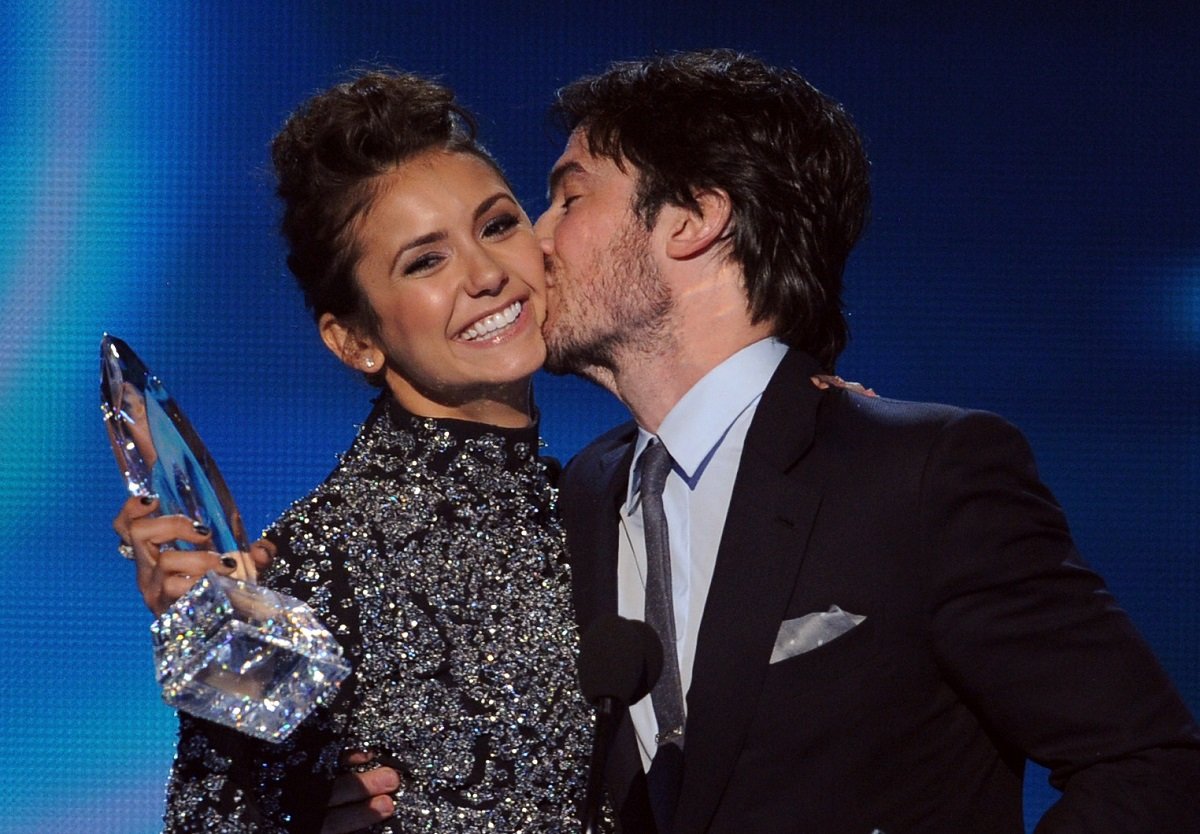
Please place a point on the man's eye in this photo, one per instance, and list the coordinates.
(566, 202)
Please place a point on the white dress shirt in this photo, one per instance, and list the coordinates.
(704, 433)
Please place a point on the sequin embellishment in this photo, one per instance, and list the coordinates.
(434, 554)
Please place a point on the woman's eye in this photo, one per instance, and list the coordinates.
(566, 203)
(422, 264)
(499, 225)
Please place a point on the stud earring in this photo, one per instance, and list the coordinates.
(370, 363)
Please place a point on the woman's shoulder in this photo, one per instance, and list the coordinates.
(340, 494)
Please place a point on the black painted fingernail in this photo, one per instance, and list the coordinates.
(200, 528)
(147, 500)
(229, 561)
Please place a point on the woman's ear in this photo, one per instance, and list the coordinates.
(692, 231)
(349, 345)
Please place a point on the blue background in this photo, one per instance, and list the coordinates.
(1035, 250)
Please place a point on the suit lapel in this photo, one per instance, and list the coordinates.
(759, 557)
(592, 537)
(592, 532)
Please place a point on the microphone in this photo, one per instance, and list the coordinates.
(619, 663)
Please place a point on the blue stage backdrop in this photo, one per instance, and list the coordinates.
(1035, 251)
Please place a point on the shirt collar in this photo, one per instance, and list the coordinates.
(695, 426)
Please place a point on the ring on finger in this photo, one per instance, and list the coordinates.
(126, 550)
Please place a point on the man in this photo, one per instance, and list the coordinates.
(878, 612)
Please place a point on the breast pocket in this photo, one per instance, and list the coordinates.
(834, 658)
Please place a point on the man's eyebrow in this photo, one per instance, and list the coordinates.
(556, 176)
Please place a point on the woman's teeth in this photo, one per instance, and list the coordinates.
(488, 325)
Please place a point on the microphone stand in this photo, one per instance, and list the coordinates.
(619, 661)
(607, 711)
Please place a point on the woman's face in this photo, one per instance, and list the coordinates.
(451, 267)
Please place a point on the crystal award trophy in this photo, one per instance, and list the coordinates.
(228, 650)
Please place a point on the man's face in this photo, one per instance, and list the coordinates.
(605, 292)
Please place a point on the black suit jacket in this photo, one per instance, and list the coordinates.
(986, 640)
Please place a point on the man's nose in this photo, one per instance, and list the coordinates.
(543, 230)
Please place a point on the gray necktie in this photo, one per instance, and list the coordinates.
(667, 695)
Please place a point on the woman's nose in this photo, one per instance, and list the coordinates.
(486, 276)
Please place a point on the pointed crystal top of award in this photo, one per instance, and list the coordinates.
(158, 451)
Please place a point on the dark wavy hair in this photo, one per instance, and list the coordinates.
(328, 157)
(788, 156)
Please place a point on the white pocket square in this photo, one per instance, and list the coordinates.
(811, 631)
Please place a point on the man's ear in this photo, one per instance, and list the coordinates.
(693, 231)
(349, 345)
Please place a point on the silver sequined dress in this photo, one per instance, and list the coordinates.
(434, 554)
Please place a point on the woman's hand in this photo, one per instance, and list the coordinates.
(163, 576)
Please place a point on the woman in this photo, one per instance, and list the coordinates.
(432, 551)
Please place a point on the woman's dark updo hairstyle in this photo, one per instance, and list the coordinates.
(327, 159)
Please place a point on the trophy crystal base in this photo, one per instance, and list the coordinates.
(246, 657)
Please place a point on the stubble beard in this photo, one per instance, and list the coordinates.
(617, 306)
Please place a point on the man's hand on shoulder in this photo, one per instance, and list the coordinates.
(362, 798)
(826, 381)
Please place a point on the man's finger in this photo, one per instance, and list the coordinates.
(352, 787)
(355, 758)
(350, 818)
